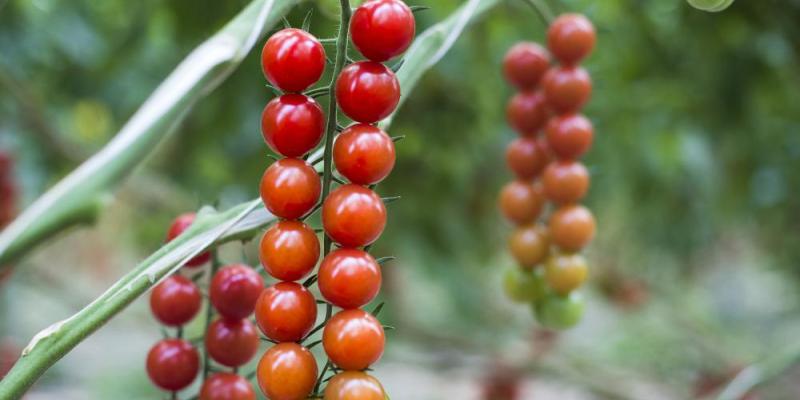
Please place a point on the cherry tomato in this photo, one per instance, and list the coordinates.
(559, 312)
(529, 245)
(175, 301)
(524, 286)
(527, 112)
(293, 60)
(367, 91)
(234, 290)
(565, 272)
(289, 250)
(172, 364)
(353, 339)
(227, 386)
(353, 215)
(567, 89)
(571, 38)
(525, 64)
(382, 29)
(349, 278)
(232, 342)
(572, 227)
(364, 154)
(565, 182)
(527, 157)
(286, 311)
(521, 202)
(180, 224)
(287, 371)
(570, 136)
(290, 188)
(292, 124)
(354, 385)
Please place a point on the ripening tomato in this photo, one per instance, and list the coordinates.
(353, 215)
(572, 227)
(565, 272)
(567, 89)
(289, 250)
(292, 124)
(525, 64)
(527, 112)
(286, 311)
(367, 91)
(521, 202)
(349, 278)
(287, 371)
(353, 339)
(354, 385)
(570, 136)
(524, 286)
(364, 154)
(382, 29)
(565, 182)
(293, 59)
(175, 301)
(529, 245)
(232, 342)
(527, 157)
(571, 38)
(226, 386)
(290, 188)
(559, 312)
(234, 290)
(172, 364)
(180, 224)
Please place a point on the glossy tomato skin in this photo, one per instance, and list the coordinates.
(286, 311)
(565, 272)
(567, 89)
(172, 364)
(290, 188)
(234, 290)
(180, 224)
(353, 339)
(524, 65)
(292, 124)
(232, 342)
(353, 215)
(527, 112)
(287, 371)
(226, 386)
(565, 182)
(364, 154)
(571, 37)
(289, 250)
(527, 157)
(293, 60)
(354, 385)
(382, 29)
(572, 227)
(349, 278)
(175, 301)
(529, 245)
(367, 91)
(521, 202)
(570, 136)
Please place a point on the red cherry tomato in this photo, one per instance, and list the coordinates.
(289, 250)
(367, 91)
(353, 339)
(179, 225)
(175, 301)
(525, 64)
(287, 371)
(567, 89)
(232, 342)
(521, 202)
(382, 29)
(527, 157)
(349, 278)
(172, 364)
(292, 124)
(527, 112)
(354, 385)
(293, 60)
(227, 386)
(290, 188)
(572, 227)
(570, 136)
(234, 291)
(353, 215)
(565, 182)
(571, 38)
(286, 311)
(364, 154)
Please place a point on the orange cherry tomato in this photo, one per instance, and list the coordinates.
(565, 182)
(286, 311)
(521, 202)
(289, 250)
(527, 157)
(353, 215)
(354, 385)
(287, 371)
(529, 245)
(565, 272)
(567, 89)
(571, 38)
(290, 188)
(364, 154)
(572, 227)
(353, 339)
(349, 278)
(570, 136)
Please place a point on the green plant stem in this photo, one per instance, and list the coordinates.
(542, 9)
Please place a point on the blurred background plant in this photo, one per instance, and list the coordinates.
(694, 276)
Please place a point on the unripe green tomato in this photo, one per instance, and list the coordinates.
(524, 286)
(710, 5)
(559, 312)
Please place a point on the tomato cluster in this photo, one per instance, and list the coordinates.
(548, 174)
(8, 189)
